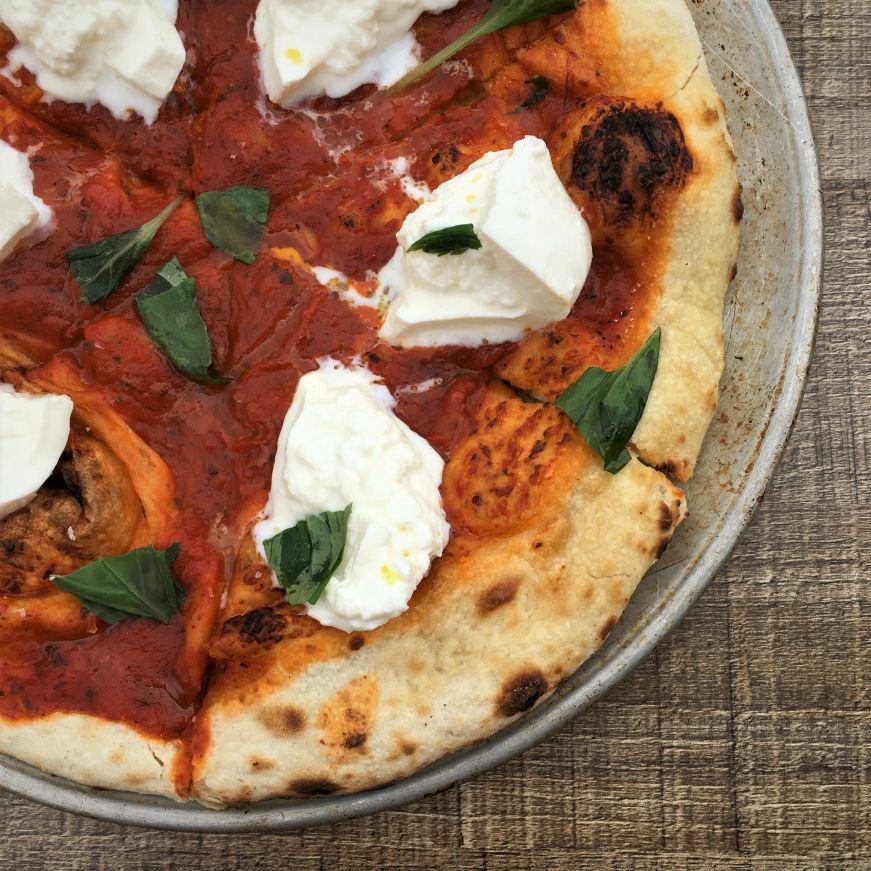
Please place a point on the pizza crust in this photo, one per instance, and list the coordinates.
(490, 632)
(93, 751)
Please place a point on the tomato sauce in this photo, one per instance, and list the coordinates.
(269, 323)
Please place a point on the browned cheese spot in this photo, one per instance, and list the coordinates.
(498, 595)
(521, 692)
(506, 471)
(356, 641)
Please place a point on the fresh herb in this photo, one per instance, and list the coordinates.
(450, 240)
(501, 14)
(306, 556)
(101, 266)
(135, 584)
(168, 308)
(233, 219)
(606, 406)
(540, 87)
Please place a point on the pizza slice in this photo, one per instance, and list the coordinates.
(545, 550)
(78, 695)
(546, 545)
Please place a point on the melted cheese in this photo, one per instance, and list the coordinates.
(308, 47)
(341, 443)
(534, 258)
(125, 54)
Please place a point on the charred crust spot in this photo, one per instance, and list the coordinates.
(626, 156)
(660, 549)
(284, 721)
(710, 116)
(666, 521)
(498, 595)
(312, 787)
(606, 627)
(521, 692)
(408, 748)
(256, 763)
(355, 642)
(358, 739)
(260, 626)
(737, 205)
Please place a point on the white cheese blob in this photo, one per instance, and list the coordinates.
(308, 47)
(534, 258)
(22, 212)
(33, 434)
(125, 54)
(342, 444)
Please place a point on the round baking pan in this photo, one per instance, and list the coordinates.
(770, 317)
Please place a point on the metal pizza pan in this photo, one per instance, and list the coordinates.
(770, 323)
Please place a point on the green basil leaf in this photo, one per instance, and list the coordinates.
(306, 556)
(135, 584)
(540, 87)
(501, 14)
(101, 266)
(606, 406)
(450, 240)
(233, 220)
(168, 309)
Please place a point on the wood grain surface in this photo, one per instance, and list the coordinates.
(744, 742)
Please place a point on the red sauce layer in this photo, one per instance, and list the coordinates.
(269, 322)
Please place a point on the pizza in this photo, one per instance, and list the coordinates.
(353, 357)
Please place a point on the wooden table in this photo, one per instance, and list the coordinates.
(745, 741)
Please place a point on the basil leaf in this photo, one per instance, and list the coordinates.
(450, 240)
(135, 584)
(168, 309)
(306, 556)
(540, 87)
(606, 406)
(233, 220)
(501, 14)
(101, 266)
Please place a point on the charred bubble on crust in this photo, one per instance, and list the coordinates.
(626, 156)
(498, 595)
(521, 692)
(284, 720)
(268, 625)
(312, 787)
(260, 626)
